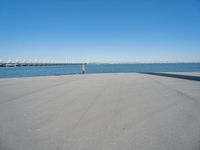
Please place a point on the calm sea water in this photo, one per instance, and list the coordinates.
(31, 71)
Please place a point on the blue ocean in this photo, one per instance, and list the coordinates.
(32, 71)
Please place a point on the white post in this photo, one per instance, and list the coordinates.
(83, 68)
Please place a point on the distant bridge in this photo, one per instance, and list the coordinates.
(19, 64)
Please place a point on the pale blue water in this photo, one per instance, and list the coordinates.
(31, 71)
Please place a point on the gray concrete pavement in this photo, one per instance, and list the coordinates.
(100, 112)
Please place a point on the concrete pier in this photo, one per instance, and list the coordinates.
(129, 111)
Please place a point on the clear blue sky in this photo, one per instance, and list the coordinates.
(103, 30)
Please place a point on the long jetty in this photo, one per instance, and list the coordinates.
(19, 64)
